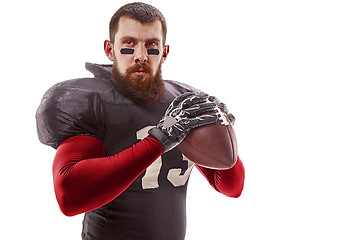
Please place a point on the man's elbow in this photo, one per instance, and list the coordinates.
(66, 205)
(237, 193)
(67, 198)
(234, 192)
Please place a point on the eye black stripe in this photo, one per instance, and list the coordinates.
(153, 51)
(131, 51)
(127, 51)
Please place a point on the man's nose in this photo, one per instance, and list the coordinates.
(141, 55)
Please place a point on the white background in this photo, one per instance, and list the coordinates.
(288, 70)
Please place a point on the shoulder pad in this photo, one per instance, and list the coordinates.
(179, 88)
(71, 108)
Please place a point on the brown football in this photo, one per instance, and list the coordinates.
(212, 146)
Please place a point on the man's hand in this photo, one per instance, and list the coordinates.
(183, 114)
(223, 108)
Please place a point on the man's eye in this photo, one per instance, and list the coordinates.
(151, 43)
(128, 42)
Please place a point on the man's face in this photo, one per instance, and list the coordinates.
(138, 70)
(140, 37)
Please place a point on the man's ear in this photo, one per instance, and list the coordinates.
(165, 53)
(108, 49)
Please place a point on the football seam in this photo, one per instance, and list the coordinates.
(232, 145)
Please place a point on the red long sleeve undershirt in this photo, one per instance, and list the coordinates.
(84, 179)
(229, 182)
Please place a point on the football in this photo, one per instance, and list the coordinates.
(212, 146)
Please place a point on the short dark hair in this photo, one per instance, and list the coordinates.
(139, 11)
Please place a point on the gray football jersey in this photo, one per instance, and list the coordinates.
(153, 207)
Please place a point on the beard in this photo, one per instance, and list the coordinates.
(143, 90)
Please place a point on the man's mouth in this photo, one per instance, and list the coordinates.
(140, 72)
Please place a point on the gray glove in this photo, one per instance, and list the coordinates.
(224, 108)
(183, 114)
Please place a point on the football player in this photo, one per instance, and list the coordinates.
(116, 158)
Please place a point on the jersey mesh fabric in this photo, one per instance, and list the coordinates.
(151, 204)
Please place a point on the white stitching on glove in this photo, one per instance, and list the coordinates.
(223, 108)
(183, 114)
